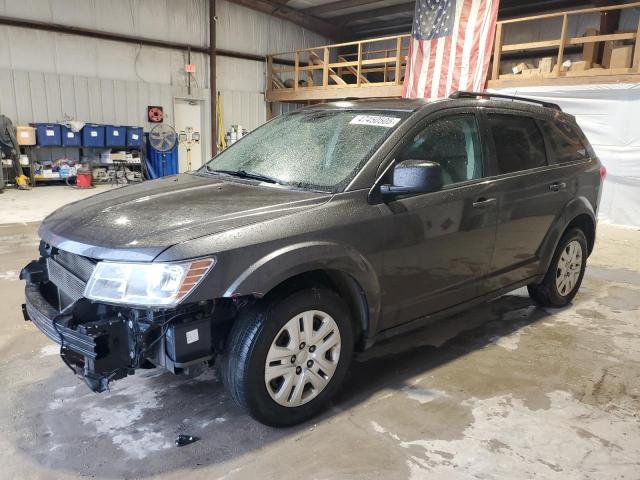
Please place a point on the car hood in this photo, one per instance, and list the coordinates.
(139, 222)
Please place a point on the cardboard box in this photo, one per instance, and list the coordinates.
(590, 50)
(546, 64)
(621, 57)
(521, 67)
(606, 52)
(566, 65)
(579, 66)
(26, 135)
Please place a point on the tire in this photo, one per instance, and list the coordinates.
(553, 292)
(268, 330)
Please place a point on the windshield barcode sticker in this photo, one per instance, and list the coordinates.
(375, 120)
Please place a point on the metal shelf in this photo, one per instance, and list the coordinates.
(106, 165)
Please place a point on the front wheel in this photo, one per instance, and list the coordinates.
(564, 277)
(287, 357)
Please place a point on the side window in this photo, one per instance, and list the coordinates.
(519, 143)
(565, 142)
(454, 143)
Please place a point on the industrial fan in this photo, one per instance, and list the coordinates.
(163, 138)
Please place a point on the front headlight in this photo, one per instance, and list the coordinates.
(146, 284)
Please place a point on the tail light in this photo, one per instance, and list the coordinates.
(603, 172)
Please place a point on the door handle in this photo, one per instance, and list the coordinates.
(483, 202)
(557, 186)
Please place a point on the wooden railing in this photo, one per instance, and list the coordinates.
(562, 42)
(376, 65)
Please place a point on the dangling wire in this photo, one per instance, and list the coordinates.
(55, 327)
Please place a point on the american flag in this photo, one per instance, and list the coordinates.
(450, 47)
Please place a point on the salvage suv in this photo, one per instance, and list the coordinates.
(317, 235)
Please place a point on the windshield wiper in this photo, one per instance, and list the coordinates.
(250, 175)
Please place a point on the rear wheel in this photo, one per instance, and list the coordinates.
(287, 357)
(564, 277)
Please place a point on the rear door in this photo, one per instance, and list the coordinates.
(571, 156)
(440, 242)
(532, 194)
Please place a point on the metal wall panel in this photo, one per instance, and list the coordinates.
(7, 95)
(38, 95)
(47, 77)
(67, 96)
(53, 95)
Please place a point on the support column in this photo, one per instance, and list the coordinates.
(212, 76)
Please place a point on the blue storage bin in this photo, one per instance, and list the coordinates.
(47, 134)
(93, 135)
(115, 136)
(135, 135)
(70, 138)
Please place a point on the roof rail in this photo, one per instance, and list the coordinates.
(462, 94)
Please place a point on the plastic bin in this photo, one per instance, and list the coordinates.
(93, 135)
(47, 134)
(135, 136)
(70, 138)
(115, 136)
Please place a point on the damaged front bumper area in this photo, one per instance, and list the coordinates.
(102, 343)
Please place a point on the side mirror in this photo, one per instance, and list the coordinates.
(414, 176)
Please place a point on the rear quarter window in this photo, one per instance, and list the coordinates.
(519, 143)
(566, 143)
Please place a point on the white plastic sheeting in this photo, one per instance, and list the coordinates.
(608, 115)
(46, 76)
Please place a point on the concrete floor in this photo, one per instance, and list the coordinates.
(22, 206)
(507, 390)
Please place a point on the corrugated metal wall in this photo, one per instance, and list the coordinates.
(46, 77)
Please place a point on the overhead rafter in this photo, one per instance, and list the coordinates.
(333, 6)
(276, 8)
(516, 8)
(378, 12)
(396, 23)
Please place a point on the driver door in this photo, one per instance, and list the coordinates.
(441, 242)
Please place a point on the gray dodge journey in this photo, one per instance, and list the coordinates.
(315, 236)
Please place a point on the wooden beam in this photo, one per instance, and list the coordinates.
(335, 92)
(581, 11)
(315, 59)
(563, 42)
(514, 47)
(359, 77)
(298, 17)
(497, 53)
(601, 38)
(636, 51)
(377, 13)
(398, 60)
(325, 67)
(333, 6)
(349, 66)
(564, 80)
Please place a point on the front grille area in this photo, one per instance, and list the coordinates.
(67, 283)
(81, 267)
(69, 273)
